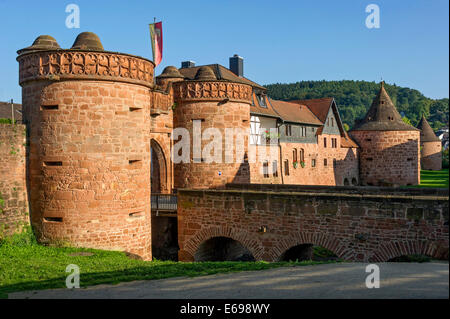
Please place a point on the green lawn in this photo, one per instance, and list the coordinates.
(434, 178)
(26, 265)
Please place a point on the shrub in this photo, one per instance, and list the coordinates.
(5, 121)
(23, 238)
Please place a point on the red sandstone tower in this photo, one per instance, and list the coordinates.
(389, 148)
(88, 118)
(430, 147)
(212, 104)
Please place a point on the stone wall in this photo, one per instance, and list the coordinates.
(212, 115)
(388, 157)
(431, 155)
(356, 223)
(90, 163)
(13, 194)
(341, 164)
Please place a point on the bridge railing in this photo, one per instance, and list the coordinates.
(164, 202)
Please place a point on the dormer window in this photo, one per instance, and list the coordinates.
(261, 100)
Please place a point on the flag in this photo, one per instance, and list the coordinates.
(157, 41)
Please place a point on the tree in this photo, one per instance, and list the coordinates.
(355, 97)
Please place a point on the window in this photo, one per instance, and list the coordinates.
(332, 121)
(266, 169)
(286, 167)
(334, 142)
(288, 130)
(313, 162)
(328, 122)
(302, 155)
(325, 162)
(302, 131)
(294, 155)
(255, 126)
(275, 169)
(324, 142)
(262, 100)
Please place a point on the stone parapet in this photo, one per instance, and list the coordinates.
(212, 91)
(85, 65)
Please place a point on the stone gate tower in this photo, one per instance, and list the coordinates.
(389, 148)
(211, 104)
(430, 147)
(88, 119)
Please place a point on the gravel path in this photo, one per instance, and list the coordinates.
(345, 280)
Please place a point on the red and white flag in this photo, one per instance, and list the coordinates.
(157, 41)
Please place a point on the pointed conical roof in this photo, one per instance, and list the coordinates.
(426, 132)
(383, 116)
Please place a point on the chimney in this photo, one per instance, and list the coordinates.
(237, 65)
(187, 64)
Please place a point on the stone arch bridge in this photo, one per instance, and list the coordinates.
(367, 224)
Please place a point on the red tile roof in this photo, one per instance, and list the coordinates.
(292, 112)
(263, 110)
(347, 142)
(222, 73)
(319, 107)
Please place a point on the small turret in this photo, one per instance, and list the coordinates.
(389, 148)
(430, 147)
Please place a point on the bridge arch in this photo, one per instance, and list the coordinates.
(305, 238)
(434, 249)
(241, 236)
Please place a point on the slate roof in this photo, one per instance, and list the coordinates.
(426, 132)
(383, 116)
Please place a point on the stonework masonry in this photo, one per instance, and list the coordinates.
(100, 141)
(388, 157)
(14, 211)
(431, 155)
(88, 115)
(355, 223)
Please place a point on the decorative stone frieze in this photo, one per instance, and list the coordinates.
(85, 65)
(212, 91)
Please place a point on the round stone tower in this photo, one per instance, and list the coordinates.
(87, 115)
(389, 148)
(210, 108)
(170, 74)
(430, 147)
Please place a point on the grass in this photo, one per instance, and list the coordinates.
(433, 178)
(26, 265)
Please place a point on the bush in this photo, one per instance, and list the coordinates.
(6, 121)
(24, 238)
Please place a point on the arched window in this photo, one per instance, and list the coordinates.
(294, 155)
(302, 155)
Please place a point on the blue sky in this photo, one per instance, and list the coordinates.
(281, 41)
